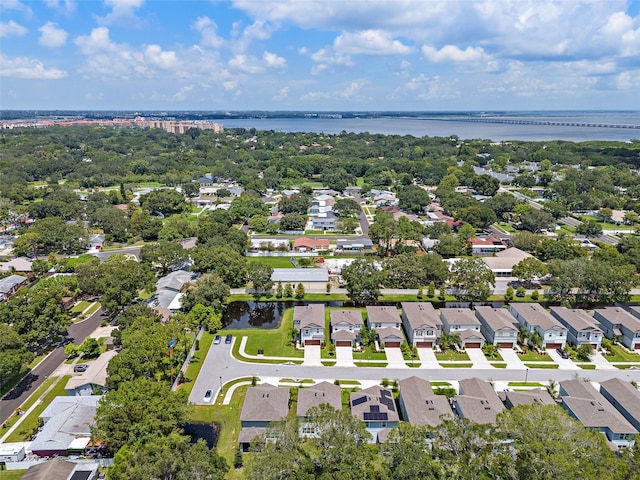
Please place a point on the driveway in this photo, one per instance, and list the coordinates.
(478, 358)
(394, 357)
(344, 357)
(510, 356)
(601, 362)
(428, 358)
(564, 364)
(312, 356)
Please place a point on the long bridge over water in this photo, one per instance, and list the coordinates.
(516, 121)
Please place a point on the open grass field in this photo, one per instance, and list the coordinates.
(30, 423)
(274, 262)
(621, 354)
(80, 307)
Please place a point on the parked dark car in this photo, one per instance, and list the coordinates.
(80, 367)
(228, 338)
(563, 353)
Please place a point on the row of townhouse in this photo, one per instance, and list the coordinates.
(614, 409)
(424, 325)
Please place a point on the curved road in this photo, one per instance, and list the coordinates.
(77, 333)
(220, 367)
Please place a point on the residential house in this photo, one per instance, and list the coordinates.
(462, 322)
(263, 404)
(390, 337)
(12, 452)
(422, 323)
(309, 321)
(527, 397)
(591, 408)
(321, 204)
(376, 408)
(324, 221)
(357, 244)
(10, 285)
(583, 329)
(310, 278)
(419, 405)
(502, 263)
(319, 394)
(385, 199)
(477, 401)
(18, 264)
(383, 316)
(486, 246)
(498, 326)
(624, 397)
(345, 327)
(66, 426)
(93, 379)
(304, 244)
(56, 468)
(618, 323)
(536, 319)
(168, 294)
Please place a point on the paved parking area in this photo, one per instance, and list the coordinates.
(428, 358)
(344, 357)
(394, 357)
(312, 356)
(510, 356)
(477, 357)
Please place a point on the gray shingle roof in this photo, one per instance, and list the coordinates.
(323, 392)
(311, 315)
(619, 316)
(422, 406)
(529, 397)
(265, 403)
(625, 396)
(362, 402)
(536, 315)
(578, 320)
(382, 314)
(496, 319)
(9, 283)
(458, 316)
(348, 317)
(421, 315)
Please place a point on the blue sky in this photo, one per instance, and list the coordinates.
(320, 54)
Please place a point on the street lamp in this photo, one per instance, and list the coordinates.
(220, 382)
(526, 376)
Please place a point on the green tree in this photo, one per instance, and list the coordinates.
(296, 203)
(163, 255)
(299, 291)
(279, 290)
(526, 241)
(383, 229)
(288, 290)
(167, 457)
(536, 220)
(208, 290)
(223, 260)
(90, 348)
(139, 412)
(407, 455)
(362, 279)
(589, 228)
(259, 275)
(584, 352)
(165, 201)
(293, 222)
(413, 198)
(13, 353)
(347, 207)
(258, 223)
(529, 269)
(508, 296)
(191, 189)
(472, 279)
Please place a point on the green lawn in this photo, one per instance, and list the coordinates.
(27, 404)
(456, 365)
(369, 354)
(452, 355)
(587, 366)
(532, 356)
(625, 367)
(275, 342)
(621, 354)
(498, 365)
(275, 262)
(11, 474)
(193, 370)
(80, 306)
(437, 383)
(525, 384)
(549, 366)
(28, 426)
(372, 364)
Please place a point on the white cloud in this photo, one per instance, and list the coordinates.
(51, 36)
(350, 91)
(64, 6)
(246, 64)
(122, 12)
(14, 5)
(182, 94)
(165, 60)
(283, 93)
(423, 87)
(245, 37)
(97, 41)
(208, 32)
(370, 42)
(11, 28)
(28, 68)
(325, 58)
(272, 60)
(451, 53)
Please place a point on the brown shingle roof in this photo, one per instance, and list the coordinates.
(537, 395)
(422, 406)
(382, 314)
(458, 316)
(421, 314)
(316, 395)
(376, 396)
(265, 403)
(579, 320)
(536, 315)
(349, 317)
(497, 319)
(309, 315)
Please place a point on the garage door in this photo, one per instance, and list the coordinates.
(637, 346)
(343, 343)
(553, 346)
(312, 342)
(424, 344)
(392, 344)
(505, 345)
(472, 345)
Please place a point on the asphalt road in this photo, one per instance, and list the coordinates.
(77, 333)
(220, 367)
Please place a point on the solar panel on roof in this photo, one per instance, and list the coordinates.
(375, 416)
(386, 393)
(388, 402)
(358, 401)
(375, 408)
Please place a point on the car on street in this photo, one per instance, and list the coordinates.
(217, 339)
(228, 338)
(207, 396)
(80, 367)
(563, 353)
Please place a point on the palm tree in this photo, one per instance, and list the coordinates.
(523, 335)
